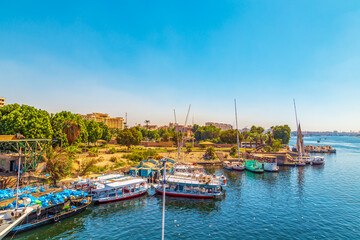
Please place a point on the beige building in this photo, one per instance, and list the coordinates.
(222, 126)
(115, 123)
(2, 102)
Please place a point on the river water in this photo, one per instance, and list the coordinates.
(312, 202)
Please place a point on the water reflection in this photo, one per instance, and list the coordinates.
(204, 206)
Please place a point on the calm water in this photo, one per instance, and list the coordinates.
(313, 202)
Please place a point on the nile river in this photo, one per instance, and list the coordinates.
(312, 202)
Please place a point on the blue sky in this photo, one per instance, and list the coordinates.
(147, 58)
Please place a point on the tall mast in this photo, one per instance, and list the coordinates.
(237, 131)
(163, 210)
(178, 140)
(18, 180)
(182, 138)
(297, 135)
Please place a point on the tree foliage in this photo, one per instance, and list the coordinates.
(26, 120)
(207, 133)
(282, 133)
(129, 136)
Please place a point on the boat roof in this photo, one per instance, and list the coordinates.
(121, 183)
(192, 181)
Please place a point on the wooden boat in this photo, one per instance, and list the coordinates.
(318, 160)
(9, 219)
(227, 165)
(120, 189)
(299, 143)
(238, 167)
(254, 166)
(52, 214)
(178, 186)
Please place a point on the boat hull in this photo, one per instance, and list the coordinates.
(318, 163)
(120, 198)
(239, 169)
(30, 226)
(185, 195)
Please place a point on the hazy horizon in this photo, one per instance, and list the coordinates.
(147, 58)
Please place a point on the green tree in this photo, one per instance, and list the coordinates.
(26, 120)
(210, 153)
(129, 136)
(94, 131)
(228, 136)
(106, 133)
(282, 133)
(60, 125)
(58, 165)
(277, 144)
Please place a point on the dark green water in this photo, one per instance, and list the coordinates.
(313, 202)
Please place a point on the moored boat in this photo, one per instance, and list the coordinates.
(9, 219)
(178, 186)
(318, 160)
(120, 189)
(52, 214)
(254, 166)
(270, 164)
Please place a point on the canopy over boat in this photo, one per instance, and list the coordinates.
(119, 184)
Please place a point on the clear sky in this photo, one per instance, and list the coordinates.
(147, 58)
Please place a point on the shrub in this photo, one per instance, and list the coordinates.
(112, 151)
(94, 152)
(113, 159)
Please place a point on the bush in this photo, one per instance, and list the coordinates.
(94, 152)
(188, 148)
(112, 151)
(113, 159)
(137, 156)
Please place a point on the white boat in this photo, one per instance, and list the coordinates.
(201, 187)
(239, 166)
(119, 189)
(270, 164)
(86, 184)
(9, 219)
(318, 160)
(299, 143)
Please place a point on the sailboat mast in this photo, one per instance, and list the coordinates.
(182, 138)
(237, 131)
(297, 127)
(163, 210)
(178, 140)
(18, 180)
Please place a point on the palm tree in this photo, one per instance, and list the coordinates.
(58, 164)
(147, 123)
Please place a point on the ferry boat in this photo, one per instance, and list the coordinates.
(120, 189)
(86, 184)
(254, 166)
(318, 160)
(270, 164)
(188, 170)
(201, 187)
(52, 214)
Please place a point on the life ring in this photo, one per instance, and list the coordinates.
(56, 218)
